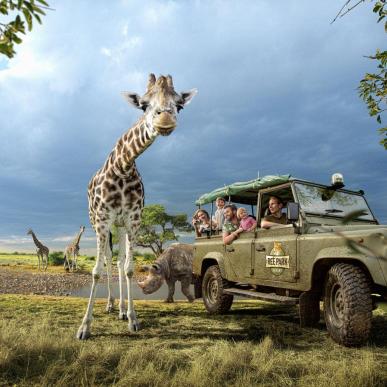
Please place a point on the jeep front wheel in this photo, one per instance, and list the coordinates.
(347, 304)
(215, 301)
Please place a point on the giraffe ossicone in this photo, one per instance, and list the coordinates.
(42, 251)
(116, 192)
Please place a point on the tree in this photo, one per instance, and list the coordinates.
(157, 227)
(10, 33)
(373, 87)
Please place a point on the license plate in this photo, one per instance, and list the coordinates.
(277, 261)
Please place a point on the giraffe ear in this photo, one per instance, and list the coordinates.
(186, 96)
(133, 99)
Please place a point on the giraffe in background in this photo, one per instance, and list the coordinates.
(72, 251)
(116, 192)
(41, 250)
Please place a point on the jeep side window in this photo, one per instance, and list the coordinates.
(274, 206)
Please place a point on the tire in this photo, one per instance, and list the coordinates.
(215, 301)
(347, 305)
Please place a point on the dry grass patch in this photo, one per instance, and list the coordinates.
(179, 345)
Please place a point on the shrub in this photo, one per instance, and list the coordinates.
(56, 258)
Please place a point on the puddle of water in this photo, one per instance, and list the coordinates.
(102, 291)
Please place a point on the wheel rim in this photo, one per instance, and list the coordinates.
(212, 290)
(337, 305)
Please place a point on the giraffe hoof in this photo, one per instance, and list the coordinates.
(169, 301)
(123, 316)
(109, 308)
(83, 334)
(134, 326)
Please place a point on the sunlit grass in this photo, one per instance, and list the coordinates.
(179, 345)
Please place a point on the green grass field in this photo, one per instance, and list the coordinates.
(256, 344)
(30, 262)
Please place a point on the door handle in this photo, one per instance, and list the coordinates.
(230, 249)
(260, 248)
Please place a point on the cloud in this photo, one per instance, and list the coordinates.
(277, 94)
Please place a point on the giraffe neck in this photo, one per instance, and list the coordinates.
(130, 146)
(78, 238)
(36, 241)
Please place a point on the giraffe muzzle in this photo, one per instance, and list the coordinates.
(164, 123)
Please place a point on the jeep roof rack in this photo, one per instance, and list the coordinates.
(243, 192)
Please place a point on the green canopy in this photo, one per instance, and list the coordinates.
(243, 192)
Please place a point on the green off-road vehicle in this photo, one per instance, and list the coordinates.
(332, 249)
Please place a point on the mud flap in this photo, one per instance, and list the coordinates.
(309, 309)
(197, 282)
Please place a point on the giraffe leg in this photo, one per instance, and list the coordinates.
(84, 330)
(120, 265)
(133, 324)
(108, 260)
(74, 262)
(38, 261)
(66, 265)
(45, 261)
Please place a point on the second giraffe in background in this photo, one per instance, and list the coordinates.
(72, 251)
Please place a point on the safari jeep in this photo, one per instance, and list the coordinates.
(332, 249)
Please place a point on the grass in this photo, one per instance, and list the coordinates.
(179, 345)
(29, 262)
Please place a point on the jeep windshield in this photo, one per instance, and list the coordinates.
(324, 201)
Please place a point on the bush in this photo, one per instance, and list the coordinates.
(56, 258)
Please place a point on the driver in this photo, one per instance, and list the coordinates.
(276, 216)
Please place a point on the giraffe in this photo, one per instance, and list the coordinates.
(41, 250)
(72, 251)
(116, 192)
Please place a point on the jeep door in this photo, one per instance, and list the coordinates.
(239, 257)
(275, 255)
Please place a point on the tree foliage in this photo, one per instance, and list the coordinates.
(20, 13)
(373, 87)
(157, 228)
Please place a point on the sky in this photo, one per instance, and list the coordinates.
(276, 95)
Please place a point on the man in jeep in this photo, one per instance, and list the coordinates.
(231, 225)
(276, 216)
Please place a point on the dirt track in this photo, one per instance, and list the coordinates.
(33, 282)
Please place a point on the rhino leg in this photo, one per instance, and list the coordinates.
(185, 283)
(171, 290)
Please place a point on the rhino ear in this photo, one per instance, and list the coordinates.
(156, 268)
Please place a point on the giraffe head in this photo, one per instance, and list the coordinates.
(160, 103)
(29, 232)
(82, 229)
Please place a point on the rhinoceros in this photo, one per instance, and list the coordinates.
(174, 264)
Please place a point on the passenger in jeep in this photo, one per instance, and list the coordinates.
(231, 229)
(276, 216)
(246, 221)
(201, 222)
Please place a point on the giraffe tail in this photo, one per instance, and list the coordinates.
(111, 241)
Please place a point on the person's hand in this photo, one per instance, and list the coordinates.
(240, 229)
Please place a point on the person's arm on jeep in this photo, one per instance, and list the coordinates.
(228, 238)
(267, 224)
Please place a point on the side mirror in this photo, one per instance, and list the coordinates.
(293, 212)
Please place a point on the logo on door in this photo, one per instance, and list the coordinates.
(277, 261)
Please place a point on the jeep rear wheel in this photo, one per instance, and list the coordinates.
(215, 301)
(347, 304)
